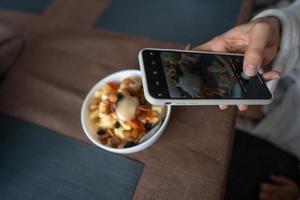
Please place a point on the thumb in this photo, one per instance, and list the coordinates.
(217, 44)
(281, 180)
(254, 55)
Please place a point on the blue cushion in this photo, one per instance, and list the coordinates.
(180, 21)
(36, 163)
(34, 6)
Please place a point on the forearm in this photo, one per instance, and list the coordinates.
(290, 22)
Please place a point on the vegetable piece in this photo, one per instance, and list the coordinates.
(112, 98)
(134, 133)
(100, 132)
(120, 132)
(125, 125)
(137, 125)
(145, 108)
(117, 125)
(111, 132)
(106, 121)
(129, 144)
(113, 86)
(126, 93)
(120, 96)
(132, 83)
(134, 124)
(94, 115)
(104, 106)
(103, 136)
(158, 109)
(148, 126)
(93, 107)
(97, 94)
(115, 141)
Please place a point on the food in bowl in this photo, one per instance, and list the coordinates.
(121, 115)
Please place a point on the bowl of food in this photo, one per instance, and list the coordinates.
(116, 116)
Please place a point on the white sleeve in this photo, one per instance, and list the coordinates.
(288, 57)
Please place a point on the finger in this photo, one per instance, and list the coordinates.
(264, 196)
(188, 47)
(242, 107)
(223, 107)
(217, 44)
(254, 55)
(236, 48)
(269, 54)
(204, 47)
(282, 180)
(271, 75)
(236, 44)
(269, 188)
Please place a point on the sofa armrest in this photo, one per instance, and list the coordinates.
(11, 48)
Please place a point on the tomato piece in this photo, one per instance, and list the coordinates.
(114, 86)
(142, 127)
(137, 125)
(134, 123)
(149, 115)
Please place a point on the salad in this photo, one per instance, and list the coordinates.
(121, 115)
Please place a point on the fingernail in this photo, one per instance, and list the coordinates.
(277, 76)
(222, 107)
(251, 70)
(242, 108)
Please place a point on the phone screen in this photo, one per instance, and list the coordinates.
(186, 75)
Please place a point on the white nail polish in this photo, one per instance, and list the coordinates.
(260, 71)
(251, 70)
(222, 107)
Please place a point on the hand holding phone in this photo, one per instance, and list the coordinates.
(180, 77)
(259, 39)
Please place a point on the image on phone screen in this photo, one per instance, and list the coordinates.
(201, 75)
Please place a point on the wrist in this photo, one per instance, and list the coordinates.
(275, 23)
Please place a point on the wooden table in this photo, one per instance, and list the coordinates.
(60, 65)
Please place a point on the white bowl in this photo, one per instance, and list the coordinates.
(90, 130)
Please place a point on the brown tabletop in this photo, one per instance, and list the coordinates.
(60, 65)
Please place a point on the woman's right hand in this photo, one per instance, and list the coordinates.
(259, 40)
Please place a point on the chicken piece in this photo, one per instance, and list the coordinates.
(94, 115)
(106, 121)
(132, 83)
(97, 94)
(107, 90)
(104, 106)
(125, 125)
(158, 109)
(120, 132)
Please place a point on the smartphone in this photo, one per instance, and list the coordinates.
(179, 77)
